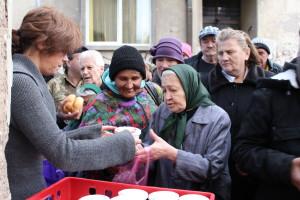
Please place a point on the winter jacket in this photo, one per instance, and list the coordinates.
(200, 66)
(269, 137)
(201, 164)
(274, 67)
(235, 99)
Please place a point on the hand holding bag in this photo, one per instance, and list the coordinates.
(135, 172)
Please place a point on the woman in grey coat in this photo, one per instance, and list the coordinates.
(44, 38)
(193, 145)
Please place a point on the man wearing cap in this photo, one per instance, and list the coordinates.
(264, 52)
(206, 59)
(167, 52)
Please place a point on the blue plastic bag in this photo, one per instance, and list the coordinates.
(51, 173)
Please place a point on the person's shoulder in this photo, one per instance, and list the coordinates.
(58, 78)
(193, 59)
(211, 112)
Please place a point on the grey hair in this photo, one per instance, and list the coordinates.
(167, 73)
(96, 56)
(229, 33)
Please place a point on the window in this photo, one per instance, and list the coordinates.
(111, 23)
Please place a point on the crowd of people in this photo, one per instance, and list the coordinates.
(224, 120)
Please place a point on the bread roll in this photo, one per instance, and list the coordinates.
(78, 104)
(68, 104)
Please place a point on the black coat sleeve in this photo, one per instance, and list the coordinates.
(253, 151)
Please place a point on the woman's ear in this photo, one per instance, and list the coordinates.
(247, 51)
(40, 45)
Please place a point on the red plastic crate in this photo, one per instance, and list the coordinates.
(73, 188)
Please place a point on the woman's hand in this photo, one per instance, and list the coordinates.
(295, 173)
(159, 149)
(107, 130)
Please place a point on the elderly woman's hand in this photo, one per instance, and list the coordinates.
(159, 149)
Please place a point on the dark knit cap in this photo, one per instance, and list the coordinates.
(126, 57)
(262, 46)
(261, 43)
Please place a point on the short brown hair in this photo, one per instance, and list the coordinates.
(57, 32)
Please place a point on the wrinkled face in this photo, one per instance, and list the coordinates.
(50, 63)
(74, 64)
(91, 73)
(174, 95)
(163, 63)
(208, 45)
(232, 57)
(263, 57)
(128, 83)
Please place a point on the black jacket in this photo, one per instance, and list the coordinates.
(200, 66)
(234, 98)
(269, 138)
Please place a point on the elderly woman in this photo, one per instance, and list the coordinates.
(166, 53)
(123, 101)
(39, 46)
(231, 85)
(194, 139)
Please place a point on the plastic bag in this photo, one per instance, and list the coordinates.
(51, 173)
(134, 172)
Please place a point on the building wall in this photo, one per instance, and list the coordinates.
(169, 19)
(5, 91)
(280, 23)
(249, 17)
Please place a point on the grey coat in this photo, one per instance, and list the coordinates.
(202, 163)
(33, 134)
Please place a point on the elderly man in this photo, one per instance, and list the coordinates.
(264, 52)
(92, 67)
(206, 59)
(65, 84)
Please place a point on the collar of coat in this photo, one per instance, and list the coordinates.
(217, 80)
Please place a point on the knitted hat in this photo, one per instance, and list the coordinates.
(167, 47)
(209, 30)
(261, 43)
(126, 57)
(186, 49)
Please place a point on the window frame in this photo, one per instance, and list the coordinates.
(116, 44)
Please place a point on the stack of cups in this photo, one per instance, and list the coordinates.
(95, 197)
(163, 195)
(131, 194)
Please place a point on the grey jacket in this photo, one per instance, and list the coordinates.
(33, 134)
(202, 163)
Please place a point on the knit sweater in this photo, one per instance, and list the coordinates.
(33, 135)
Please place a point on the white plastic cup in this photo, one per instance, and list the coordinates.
(163, 195)
(193, 197)
(136, 132)
(95, 197)
(133, 194)
(118, 198)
